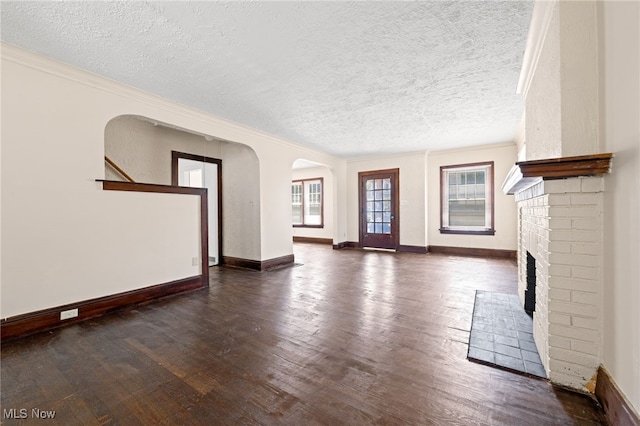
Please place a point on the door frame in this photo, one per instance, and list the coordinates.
(175, 156)
(395, 202)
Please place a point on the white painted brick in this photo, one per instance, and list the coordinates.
(543, 246)
(573, 212)
(572, 357)
(586, 211)
(573, 283)
(586, 236)
(586, 248)
(573, 259)
(592, 184)
(560, 342)
(585, 272)
(586, 224)
(558, 212)
(586, 198)
(582, 371)
(560, 247)
(563, 230)
(560, 294)
(561, 235)
(543, 222)
(557, 223)
(560, 270)
(556, 318)
(585, 322)
(573, 332)
(554, 186)
(584, 297)
(584, 347)
(572, 185)
(573, 308)
(542, 266)
(544, 233)
(576, 379)
(559, 200)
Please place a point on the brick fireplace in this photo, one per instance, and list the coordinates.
(560, 220)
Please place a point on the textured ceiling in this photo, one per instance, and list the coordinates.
(348, 78)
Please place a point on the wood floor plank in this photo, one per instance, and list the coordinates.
(350, 337)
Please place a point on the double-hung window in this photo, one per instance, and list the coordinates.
(467, 199)
(306, 202)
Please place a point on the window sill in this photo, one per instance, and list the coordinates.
(467, 232)
(308, 226)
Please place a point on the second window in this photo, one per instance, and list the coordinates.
(306, 202)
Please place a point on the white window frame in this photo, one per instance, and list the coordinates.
(306, 220)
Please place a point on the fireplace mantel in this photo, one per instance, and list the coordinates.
(526, 173)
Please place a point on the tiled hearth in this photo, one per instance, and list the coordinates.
(560, 224)
(502, 334)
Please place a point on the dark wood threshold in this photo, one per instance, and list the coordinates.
(412, 249)
(312, 240)
(47, 319)
(346, 244)
(258, 265)
(475, 252)
(618, 410)
(401, 247)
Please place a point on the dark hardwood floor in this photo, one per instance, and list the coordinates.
(351, 337)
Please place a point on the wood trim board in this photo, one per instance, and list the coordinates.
(566, 167)
(476, 252)
(314, 240)
(617, 408)
(259, 265)
(47, 319)
(412, 249)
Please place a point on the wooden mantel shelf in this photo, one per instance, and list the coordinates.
(526, 173)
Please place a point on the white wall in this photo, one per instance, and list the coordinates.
(240, 203)
(620, 108)
(64, 238)
(55, 247)
(328, 201)
(504, 157)
(143, 150)
(562, 102)
(543, 108)
(412, 195)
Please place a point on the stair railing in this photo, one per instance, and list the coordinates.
(118, 169)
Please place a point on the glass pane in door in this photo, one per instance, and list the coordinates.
(378, 211)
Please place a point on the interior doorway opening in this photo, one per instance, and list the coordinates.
(197, 171)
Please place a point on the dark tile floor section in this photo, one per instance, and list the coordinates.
(502, 334)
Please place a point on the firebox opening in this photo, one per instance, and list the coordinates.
(530, 291)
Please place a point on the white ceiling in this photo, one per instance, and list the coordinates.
(349, 78)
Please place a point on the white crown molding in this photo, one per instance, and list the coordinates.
(540, 20)
(386, 156)
(472, 148)
(69, 72)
